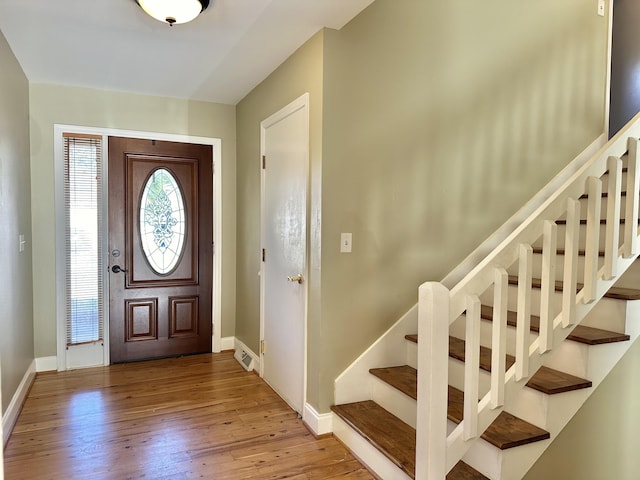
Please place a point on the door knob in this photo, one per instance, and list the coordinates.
(117, 269)
(298, 278)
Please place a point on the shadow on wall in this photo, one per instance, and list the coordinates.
(505, 138)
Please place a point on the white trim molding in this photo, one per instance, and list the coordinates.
(64, 361)
(319, 423)
(15, 406)
(227, 343)
(46, 364)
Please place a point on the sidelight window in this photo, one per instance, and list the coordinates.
(83, 234)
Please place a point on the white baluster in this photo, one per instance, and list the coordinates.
(433, 380)
(592, 245)
(570, 263)
(471, 367)
(499, 336)
(614, 165)
(548, 286)
(631, 204)
(525, 254)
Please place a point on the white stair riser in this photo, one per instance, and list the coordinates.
(605, 179)
(547, 411)
(509, 464)
(365, 452)
(582, 237)
(584, 205)
(394, 401)
(569, 357)
(630, 279)
(456, 377)
(537, 267)
(486, 332)
(608, 313)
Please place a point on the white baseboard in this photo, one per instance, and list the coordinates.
(319, 423)
(239, 348)
(13, 409)
(46, 364)
(227, 343)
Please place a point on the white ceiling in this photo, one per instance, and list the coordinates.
(113, 44)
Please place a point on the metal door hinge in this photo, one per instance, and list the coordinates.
(264, 255)
(264, 162)
(262, 348)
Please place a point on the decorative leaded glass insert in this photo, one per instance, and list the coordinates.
(162, 221)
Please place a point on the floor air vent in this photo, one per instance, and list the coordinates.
(244, 359)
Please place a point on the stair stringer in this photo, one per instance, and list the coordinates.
(458, 447)
(559, 409)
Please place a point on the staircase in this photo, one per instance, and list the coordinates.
(509, 354)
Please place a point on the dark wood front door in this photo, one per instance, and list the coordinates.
(160, 249)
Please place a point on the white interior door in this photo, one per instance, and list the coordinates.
(285, 151)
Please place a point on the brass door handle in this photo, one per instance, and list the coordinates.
(298, 278)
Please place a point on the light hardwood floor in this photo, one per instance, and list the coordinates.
(201, 416)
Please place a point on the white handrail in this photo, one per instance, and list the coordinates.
(437, 453)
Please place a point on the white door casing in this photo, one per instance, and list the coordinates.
(283, 288)
(98, 354)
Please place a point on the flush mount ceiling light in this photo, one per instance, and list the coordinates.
(173, 11)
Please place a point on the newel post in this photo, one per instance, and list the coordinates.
(433, 377)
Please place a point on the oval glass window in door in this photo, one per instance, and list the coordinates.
(162, 221)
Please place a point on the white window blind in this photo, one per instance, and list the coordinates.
(83, 235)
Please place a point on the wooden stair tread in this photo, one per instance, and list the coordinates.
(545, 380)
(550, 381)
(403, 378)
(561, 251)
(462, 471)
(596, 336)
(604, 195)
(506, 431)
(581, 333)
(394, 438)
(584, 221)
(617, 293)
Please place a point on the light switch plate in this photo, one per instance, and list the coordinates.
(601, 7)
(346, 240)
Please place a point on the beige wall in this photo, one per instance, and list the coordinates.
(97, 108)
(16, 292)
(439, 120)
(301, 73)
(601, 441)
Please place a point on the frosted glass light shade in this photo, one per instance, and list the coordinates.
(173, 11)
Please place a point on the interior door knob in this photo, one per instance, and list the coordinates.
(298, 278)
